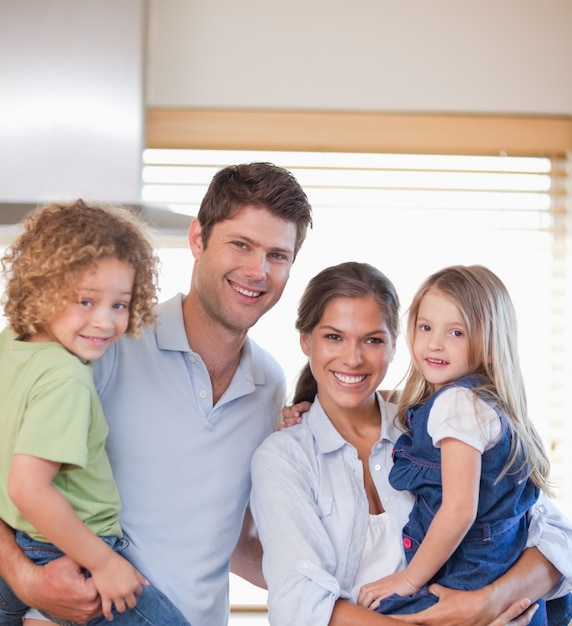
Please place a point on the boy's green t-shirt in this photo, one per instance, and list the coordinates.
(49, 408)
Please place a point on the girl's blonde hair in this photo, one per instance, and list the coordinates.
(59, 242)
(490, 319)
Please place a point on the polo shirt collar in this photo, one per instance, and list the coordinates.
(171, 335)
(329, 439)
(170, 328)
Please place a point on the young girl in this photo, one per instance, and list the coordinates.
(78, 277)
(471, 455)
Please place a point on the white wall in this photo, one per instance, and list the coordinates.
(490, 56)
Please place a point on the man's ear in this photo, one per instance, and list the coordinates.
(196, 238)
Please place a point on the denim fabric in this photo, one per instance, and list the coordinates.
(12, 609)
(153, 608)
(499, 532)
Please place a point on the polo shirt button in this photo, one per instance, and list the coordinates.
(192, 358)
(407, 543)
(203, 394)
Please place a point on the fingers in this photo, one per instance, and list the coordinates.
(437, 590)
(514, 615)
(106, 606)
(526, 617)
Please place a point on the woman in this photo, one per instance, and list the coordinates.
(328, 519)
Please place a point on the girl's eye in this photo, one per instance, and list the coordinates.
(87, 303)
(424, 328)
(458, 333)
(120, 306)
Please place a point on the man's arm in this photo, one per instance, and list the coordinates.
(59, 588)
(246, 560)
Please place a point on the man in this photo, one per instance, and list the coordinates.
(188, 403)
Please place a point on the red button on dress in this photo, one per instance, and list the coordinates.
(407, 543)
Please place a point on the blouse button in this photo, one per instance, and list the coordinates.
(377, 467)
(407, 543)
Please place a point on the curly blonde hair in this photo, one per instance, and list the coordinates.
(61, 241)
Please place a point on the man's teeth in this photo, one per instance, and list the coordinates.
(246, 292)
(349, 379)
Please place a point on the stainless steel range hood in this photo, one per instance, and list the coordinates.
(72, 106)
(166, 223)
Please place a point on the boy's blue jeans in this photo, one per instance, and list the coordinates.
(153, 607)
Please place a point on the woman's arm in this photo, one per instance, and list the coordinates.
(532, 576)
(299, 557)
(59, 588)
(346, 614)
(551, 533)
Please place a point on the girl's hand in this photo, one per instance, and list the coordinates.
(292, 415)
(371, 594)
(118, 583)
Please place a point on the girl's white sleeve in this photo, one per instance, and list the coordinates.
(458, 414)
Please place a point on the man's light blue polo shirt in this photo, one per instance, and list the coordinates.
(181, 465)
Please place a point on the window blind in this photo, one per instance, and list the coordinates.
(410, 215)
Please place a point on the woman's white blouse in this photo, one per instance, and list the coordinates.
(311, 511)
(381, 538)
